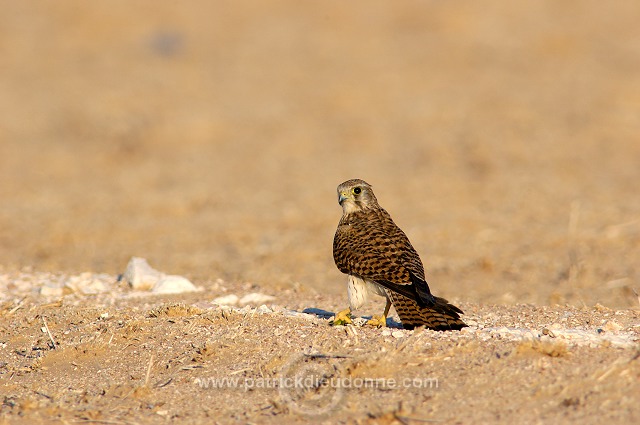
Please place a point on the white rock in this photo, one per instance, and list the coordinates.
(359, 321)
(386, 332)
(49, 291)
(140, 275)
(256, 298)
(86, 283)
(95, 287)
(263, 309)
(397, 334)
(231, 299)
(173, 285)
(611, 326)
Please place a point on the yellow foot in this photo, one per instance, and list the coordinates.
(377, 321)
(342, 318)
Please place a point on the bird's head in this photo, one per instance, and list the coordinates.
(355, 195)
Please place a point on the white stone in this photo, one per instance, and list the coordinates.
(297, 314)
(256, 298)
(86, 283)
(95, 287)
(264, 309)
(49, 291)
(359, 321)
(231, 299)
(173, 285)
(140, 275)
(611, 326)
(397, 334)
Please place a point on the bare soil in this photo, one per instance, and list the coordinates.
(209, 138)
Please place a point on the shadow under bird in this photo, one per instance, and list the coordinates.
(379, 259)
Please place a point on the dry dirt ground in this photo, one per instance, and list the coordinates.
(119, 356)
(209, 138)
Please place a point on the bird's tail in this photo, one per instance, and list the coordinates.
(441, 316)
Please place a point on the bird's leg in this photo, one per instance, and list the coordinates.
(342, 318)
(380, 321)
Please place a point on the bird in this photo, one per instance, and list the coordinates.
(378, 259)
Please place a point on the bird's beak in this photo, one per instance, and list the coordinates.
(342, 197)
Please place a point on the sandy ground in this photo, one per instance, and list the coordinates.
(209, 138)
(120, 356)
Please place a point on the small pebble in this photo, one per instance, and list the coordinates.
(230, 299)
(359, 321)
(397, 334)
(48, 291)
(256, 298)
(173, 285)
(611, 325)
(264, 309)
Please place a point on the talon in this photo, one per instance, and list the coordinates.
(377, 321)
(342, 318)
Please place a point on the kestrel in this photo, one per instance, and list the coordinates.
(379, 259)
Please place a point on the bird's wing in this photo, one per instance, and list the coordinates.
(369, 244)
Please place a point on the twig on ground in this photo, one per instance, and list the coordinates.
(14, 309)
(146, 379)
(49, 333)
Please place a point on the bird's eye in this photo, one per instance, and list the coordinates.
(357, 190)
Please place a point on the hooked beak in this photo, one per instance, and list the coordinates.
(342, 197)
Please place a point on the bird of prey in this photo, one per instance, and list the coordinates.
(379, 259)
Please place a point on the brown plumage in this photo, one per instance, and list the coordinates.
(377, 255)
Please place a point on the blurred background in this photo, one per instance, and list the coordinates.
(209, 138)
